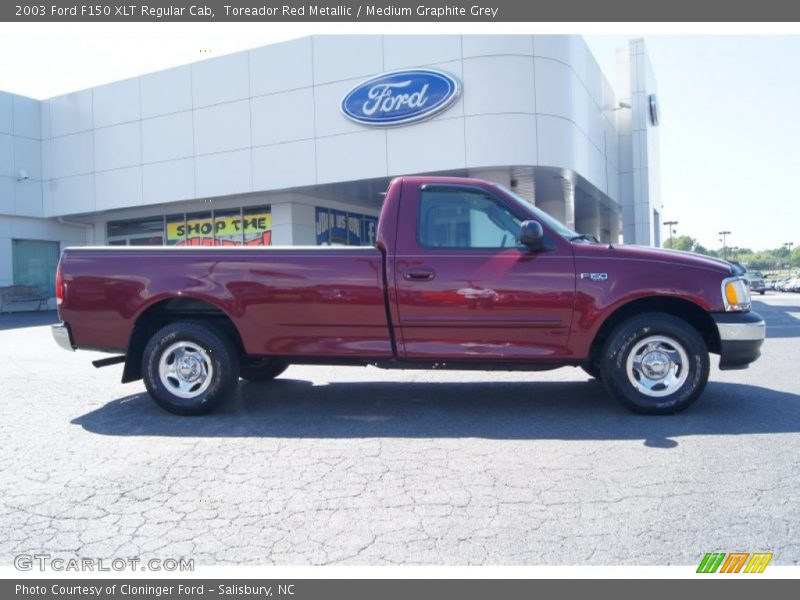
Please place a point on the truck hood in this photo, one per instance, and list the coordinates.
(688, 259)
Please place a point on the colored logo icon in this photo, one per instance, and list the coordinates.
(400, 97)
(734, 562)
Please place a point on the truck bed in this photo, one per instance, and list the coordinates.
(285, 301)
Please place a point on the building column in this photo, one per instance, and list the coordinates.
(562, 208)
(591, 224)
(292, 221)
(525, 189)
(613, 226)
(568, 188)
(281, 223)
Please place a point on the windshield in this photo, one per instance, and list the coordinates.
(551, 222)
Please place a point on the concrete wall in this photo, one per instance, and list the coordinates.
(640, 182)
(21, 208)
(20, 152)
(269, 119)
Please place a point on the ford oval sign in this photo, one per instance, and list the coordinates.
(400, 97)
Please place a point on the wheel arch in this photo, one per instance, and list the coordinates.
(681, 308)
(168, 310)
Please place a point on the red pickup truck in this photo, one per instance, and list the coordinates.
(464, 275)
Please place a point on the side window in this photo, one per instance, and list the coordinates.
(465, 219)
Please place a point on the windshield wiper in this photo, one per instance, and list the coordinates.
(585, 237)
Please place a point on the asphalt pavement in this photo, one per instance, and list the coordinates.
(342, 465)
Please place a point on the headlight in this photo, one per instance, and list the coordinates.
(735, 294)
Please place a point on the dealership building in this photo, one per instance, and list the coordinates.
(264, 147)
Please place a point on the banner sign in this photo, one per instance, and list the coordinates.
(222, 231)
(354, 230)
(343, 228)
(370, 230)
(338, 227)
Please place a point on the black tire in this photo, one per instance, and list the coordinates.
(592, 370)
(206, 349)
(762, 292)
(262, 369)
(677, 357)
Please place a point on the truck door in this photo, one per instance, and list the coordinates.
(466, 289)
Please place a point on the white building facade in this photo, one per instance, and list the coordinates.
(254, 148)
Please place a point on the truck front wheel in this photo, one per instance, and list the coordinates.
(655, 364)
(189, 367)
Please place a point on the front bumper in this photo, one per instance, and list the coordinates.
(740, 336)
(62, 336)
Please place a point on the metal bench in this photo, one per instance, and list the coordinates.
(14, 294)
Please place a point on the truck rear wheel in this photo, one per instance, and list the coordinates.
(262, 369)
(655, 364)
(189, 367)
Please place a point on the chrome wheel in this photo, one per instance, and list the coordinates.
(657, 366)
(185, 369)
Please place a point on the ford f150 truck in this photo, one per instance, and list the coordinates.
(464, 274)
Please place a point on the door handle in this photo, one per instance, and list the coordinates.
(419, 274)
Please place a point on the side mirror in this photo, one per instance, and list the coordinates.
(531, 235)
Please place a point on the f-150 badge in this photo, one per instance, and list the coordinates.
(595, 276)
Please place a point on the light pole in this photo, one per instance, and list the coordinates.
(735, 250)
(671, 230)
(723, 239)
(788, 246)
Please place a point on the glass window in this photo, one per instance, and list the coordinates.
(137, 232)
(257, 226)
(228, 227)
(138, 227)
(338, 228)
(153, 240)
(199, 229)
(176, 230)
(354, 229)
(35, 264)
(370, 225)
(323, 221)
(465, 219)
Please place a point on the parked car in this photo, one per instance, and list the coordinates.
(464, 275)
(755, 279)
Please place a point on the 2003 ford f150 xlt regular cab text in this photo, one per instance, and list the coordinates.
(464, 274)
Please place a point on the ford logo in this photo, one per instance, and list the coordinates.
(400, 97)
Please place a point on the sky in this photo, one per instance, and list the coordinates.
(729, 134)
(730, 126)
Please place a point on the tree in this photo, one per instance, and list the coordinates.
(756, 260)
(682, 242)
